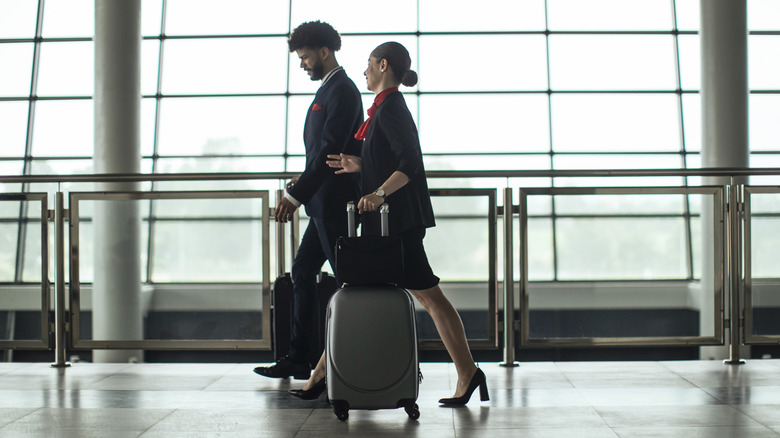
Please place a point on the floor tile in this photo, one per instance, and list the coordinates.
(696, 432)
(674, 415)
(539, 399)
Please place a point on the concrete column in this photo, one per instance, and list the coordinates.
(116, 302)
(724, 105)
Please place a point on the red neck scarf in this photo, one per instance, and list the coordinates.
(361, 134)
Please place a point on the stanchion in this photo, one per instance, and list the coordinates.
(59, 287)
(509, 284)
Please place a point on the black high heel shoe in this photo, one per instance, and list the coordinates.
(311, 393)
(480, 380)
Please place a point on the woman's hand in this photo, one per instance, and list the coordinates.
(345, 163)
(370, 202)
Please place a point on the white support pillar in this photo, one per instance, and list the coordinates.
(724, 106)
(116, 302)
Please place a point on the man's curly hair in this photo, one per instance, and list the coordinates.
(314, 35)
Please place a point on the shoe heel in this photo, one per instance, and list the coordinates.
(483, 391)
(301, 376)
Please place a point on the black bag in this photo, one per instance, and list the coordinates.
(282, 315)
(369, 260)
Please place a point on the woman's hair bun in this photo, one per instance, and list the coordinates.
(410, 78)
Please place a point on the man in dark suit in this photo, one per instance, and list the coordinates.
(334, 116)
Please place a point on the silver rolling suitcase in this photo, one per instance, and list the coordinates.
(371, 347)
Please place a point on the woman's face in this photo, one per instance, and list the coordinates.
(373, 74)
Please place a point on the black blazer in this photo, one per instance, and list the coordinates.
(392, 144)
(331, 123)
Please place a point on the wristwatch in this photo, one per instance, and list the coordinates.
(380, 192)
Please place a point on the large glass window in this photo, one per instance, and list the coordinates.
(503, 84)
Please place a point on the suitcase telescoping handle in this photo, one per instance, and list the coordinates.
(384, 211)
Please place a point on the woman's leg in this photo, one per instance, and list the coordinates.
(451, 331)
(316, 375)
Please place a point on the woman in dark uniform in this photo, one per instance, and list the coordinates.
(391, 169)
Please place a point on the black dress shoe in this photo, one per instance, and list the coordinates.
(311, 393)
(284, 368)
(480, 380)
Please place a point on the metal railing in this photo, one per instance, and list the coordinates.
(732, 265)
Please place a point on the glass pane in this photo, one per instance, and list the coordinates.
(222, 126)
(209, 208)
(33, 252)
(770, 160)
(691, 105)
(465, 258)
(17, 18)
(150, 61)
(228, 17)
(297, 106)
(521, 68)
(621, 249)
(9, 209)
(16, 74)
(619, 204)
(764, 62)
(13, 128)
(764, 203)
(225, 65)
(764, 114)
(485, 162)
(352, 16)
(69, 18)
(766, 308)
(67, 69)
(540, 250)
(608, 122)
(689, 47)
(216, 165)
(207, 251)
(151, 17)
(87, 230)
(237, 316)
(8, 238)
(764, 241)
(763, 14)
(618, 161)
(688, 15)
(488, 15)
(63, 128)
(609, 15)
(482, 123)
(148, 122)
(11, 168)
(609, 62)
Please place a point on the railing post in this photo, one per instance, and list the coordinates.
(59, 288)
(735, 272)
(509, 284)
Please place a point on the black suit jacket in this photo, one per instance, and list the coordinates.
(392, 144)
(331, 123)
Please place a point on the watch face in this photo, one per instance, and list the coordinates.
(380, 192)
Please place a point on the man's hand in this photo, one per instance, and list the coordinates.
(291, 182)
(285, 210)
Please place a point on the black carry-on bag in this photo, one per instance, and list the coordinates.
(371, 334)
(282, 301)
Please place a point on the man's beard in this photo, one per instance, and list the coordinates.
(317, 71)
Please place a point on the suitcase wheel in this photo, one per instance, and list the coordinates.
(341, 410)
(413, 411)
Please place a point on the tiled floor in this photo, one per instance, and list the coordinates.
(537, 399)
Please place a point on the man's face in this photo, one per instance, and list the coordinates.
(311, 61)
